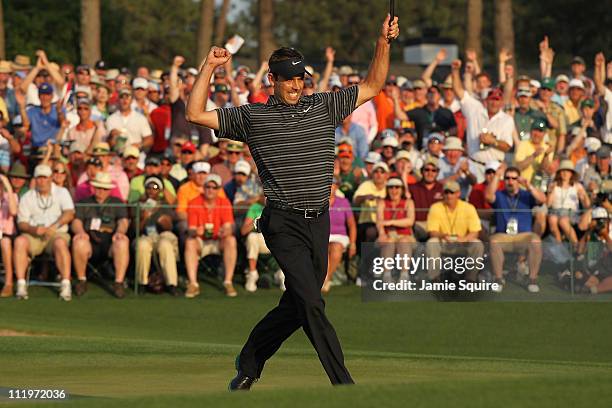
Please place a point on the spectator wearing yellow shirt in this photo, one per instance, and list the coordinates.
(366, 197)
(453, 227)
(534, 156)
(572, 105)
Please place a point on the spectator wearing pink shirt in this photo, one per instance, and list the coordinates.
(8, 211)
(85, 189)
(364, 115)
(120, 179)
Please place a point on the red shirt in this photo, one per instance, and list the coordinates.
(477, 196)
(424, 198)
(259, 97)
(198, 215)
(161, 118)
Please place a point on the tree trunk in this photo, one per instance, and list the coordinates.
(90, 31)
(205, 29)
(504, 31)
(266, 36)
(474, 26)
(2, 44)
(222, 23)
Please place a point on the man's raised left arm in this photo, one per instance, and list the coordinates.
(379, 67)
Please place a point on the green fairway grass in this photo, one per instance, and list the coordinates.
(158, 351)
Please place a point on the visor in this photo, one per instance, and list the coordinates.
(289, 68)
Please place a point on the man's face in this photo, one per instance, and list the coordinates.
(562, 88)
(233, 157)
(288, 90)
(353, 80)
(448, 94)
(523, 102)
(101, 194)
(483, 82)
(536, 136)
(43, 184)
(92, 170)
(435, 147)
(130, 163)
(420, 93)
(240, 178)
(512, 184)
(379, 176)
(152, 170)
(545, 94)
(346, 163)
(577, 69)
(4, 81)
(153, 95)
(187, 156)
(83, 77)
(84, 112)
(453, 156)
(603, 164)
(576, 93)
(140, 94)
(45, 100)
(493, 105)
(210, 191)
(451, 198)
(388, 89)
(587, 112)
(166, 166)
(407, 94)
(388, 152)
(433, 97)
(221, 98)
(17, 183)
(125, 101)
(489, 175)
(199, 178)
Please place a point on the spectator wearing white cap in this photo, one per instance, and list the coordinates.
(87, 133)
(389, 145)
(243, 189)
(455, 167)
(572, 105)
(561, 89)
(578, 68)
(211, 225)
(43, 218)
(140, 101)
(130, 161)
(366, 198)
(370, 160)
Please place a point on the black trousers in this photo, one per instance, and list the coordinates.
(300, 246)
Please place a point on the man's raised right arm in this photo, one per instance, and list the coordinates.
(196, 106)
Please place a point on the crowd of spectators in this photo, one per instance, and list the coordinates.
(465, 160)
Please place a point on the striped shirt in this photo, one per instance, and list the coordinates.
(292, 145)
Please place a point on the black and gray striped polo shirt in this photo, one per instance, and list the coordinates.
(292, 145)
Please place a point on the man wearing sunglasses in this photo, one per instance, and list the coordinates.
(513, 223)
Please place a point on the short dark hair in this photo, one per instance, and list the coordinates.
(512, 169)
(283, 54)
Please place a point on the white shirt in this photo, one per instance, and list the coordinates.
(135, 124)
(37, 210)
(477, 118)
(151, 106)
(606, 130)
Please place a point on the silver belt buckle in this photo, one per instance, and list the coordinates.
(306, 214)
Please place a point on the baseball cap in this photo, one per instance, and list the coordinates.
(152, 161)
(345, 70)
(289, 68)
(100, 64)
(535, 83)
(242, 166)
(381, 165)
(221, 88)
(188, 147)
(599, 213)
(587, 102)
(335, 83)
(94, 161)
(562, 78)
(592, 144)
(451, 186)
(419, 83)
(140, 83)
(390, 141)
(495, 93)
(548, 83)
(201, 167)
(213, 178)
(576, 83)
(522, 91)
(539, 124)
(131, 151)
(45, 89)
(154, 86)
(82, 67)
(154, 180)
(372, 158)
(492, 165)
(578, 60)
(388, 133)
(83, 101)
(101, 149)
(234, 146)
(42, 170)
(395, 182)
(111, 74)
(603, 152)
(83, 89)
(407, 86)
(124, 91)
(431, 161)
(402, 155)
(453, 143)
(436, 136)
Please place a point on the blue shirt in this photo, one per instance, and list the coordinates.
(43, 126)
(518, 207)
(358, 137)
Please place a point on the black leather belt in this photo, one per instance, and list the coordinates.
(306, 213)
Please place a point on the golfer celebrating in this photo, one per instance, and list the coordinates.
(291, 139)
